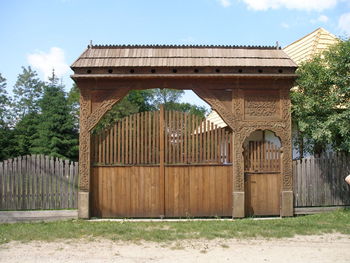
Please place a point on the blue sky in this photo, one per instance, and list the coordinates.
(53, 33)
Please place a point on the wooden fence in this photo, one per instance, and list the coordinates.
(183, 138)
(38, 182)
(262, 156)
(320, 181)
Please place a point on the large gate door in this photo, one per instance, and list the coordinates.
(164, 163)
(198, 167)
(262, 178)
(126, 179)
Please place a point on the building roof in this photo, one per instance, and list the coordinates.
(215, 118)
(308, 46)
(124, 56)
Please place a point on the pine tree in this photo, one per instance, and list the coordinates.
(27, 92)
(56, 133)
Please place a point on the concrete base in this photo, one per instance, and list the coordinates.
(287, 203)
(83, 205)
(37, 215)
(238, 205)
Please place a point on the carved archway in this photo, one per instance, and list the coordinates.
(247, 86)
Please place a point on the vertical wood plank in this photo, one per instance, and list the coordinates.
(138, 136)
(161, 161)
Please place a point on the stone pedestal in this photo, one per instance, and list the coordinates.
(238, 205)
(287, 208)
(83, 205)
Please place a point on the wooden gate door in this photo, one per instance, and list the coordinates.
(161, 164)
(262, 179)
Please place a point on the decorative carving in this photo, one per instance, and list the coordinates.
(260, 106)
(237, 98)
(107, 101)
(282, 131)
(88, 121)
(257, 108)
(84, 140)
(217, 105)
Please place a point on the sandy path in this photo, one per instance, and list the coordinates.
(326, 248)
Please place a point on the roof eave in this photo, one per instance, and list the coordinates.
(181, 76)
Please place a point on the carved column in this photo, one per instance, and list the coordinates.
(93, 105)
(84, 153)
(238, 196)
(287, 197)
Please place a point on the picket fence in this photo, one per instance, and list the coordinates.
(43, 182)
(38, 182)
(321, 181)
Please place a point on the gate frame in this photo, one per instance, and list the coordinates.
(245, 101)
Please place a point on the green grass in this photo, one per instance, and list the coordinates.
(338, 221)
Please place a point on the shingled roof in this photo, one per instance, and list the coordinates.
(123, 56)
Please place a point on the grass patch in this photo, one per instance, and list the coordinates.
(338, 221)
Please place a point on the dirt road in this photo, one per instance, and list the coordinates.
(325, 248)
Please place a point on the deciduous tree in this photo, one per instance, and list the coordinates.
(321, 102)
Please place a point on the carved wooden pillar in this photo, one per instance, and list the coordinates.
(84, 152)
(287, 197)
(238, 196)
(93, 105)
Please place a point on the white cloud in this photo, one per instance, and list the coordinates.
(320, 19)
(344, 23)
(307, 5)
(46, 62)
(323, 18)
(284, 25)
(225, 3)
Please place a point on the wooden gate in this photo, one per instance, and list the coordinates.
(161, 164)
(262, 163)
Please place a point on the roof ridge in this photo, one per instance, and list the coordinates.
(184, 46)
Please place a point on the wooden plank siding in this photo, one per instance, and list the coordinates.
(38, 182)
(131, 191)
(262, 166)
(165, 163)
(188, 139)
(198, 191)
(320, 181)
(135, 191)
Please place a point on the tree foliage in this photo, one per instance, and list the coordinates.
(5, 132)
(43, 119)
(321, 102)
(56, 134)
(27, 92)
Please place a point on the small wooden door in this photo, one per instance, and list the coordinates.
(262, 179)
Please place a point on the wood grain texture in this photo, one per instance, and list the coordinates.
(262, 194)
(194, 191)
(126, 192)
(135, 140)
(38, 182)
